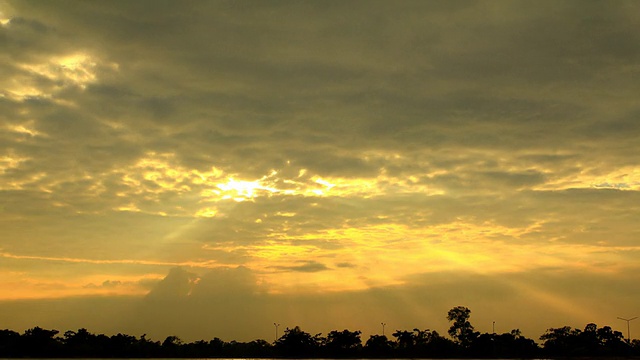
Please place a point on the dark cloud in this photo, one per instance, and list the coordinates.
(307, 266)
(177, 284)
(345, 117)
(345, 265)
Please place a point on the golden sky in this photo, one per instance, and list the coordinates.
(208, 168)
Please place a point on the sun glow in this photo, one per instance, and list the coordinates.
(207, 213)
(148, 183)
(75, 69)
(244, 189)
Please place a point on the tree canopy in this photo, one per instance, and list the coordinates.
(464, 342)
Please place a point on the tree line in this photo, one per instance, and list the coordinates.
(463, 342)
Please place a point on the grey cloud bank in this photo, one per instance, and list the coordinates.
(231, 305)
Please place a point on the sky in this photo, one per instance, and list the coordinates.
(209, 168)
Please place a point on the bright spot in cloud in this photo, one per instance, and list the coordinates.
(207, 212)
(11, 161)
(27, 128)
(245, 189)
(76, 69)
(128, 207)
(624, 178)
(4, 18)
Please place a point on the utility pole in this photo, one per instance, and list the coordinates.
(383, 325)
(628, 327)
(494, 327)
(276, 326)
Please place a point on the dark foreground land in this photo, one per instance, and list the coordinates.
(463, 342)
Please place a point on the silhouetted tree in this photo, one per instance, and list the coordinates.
(258, 348)
(123, 345)
(560, 341)
(612, 342)
(507, 345)
(171, 346)
(9, 341)
(567, 341)
(430, 344)
(196, 349)
(296, 343)
(422, 337)
(609, 338)
(404, 339)
(216, 347)
(588, 341)
(461, 329)
(557, 342)
(38, 342)
(378, 346)
(635, 347)
(343, 343)
(82, 343)
(518, 345)
(147, 348)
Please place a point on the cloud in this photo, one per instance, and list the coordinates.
(345, 265)
(218, 282)
(178, 283)
(308, 266)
